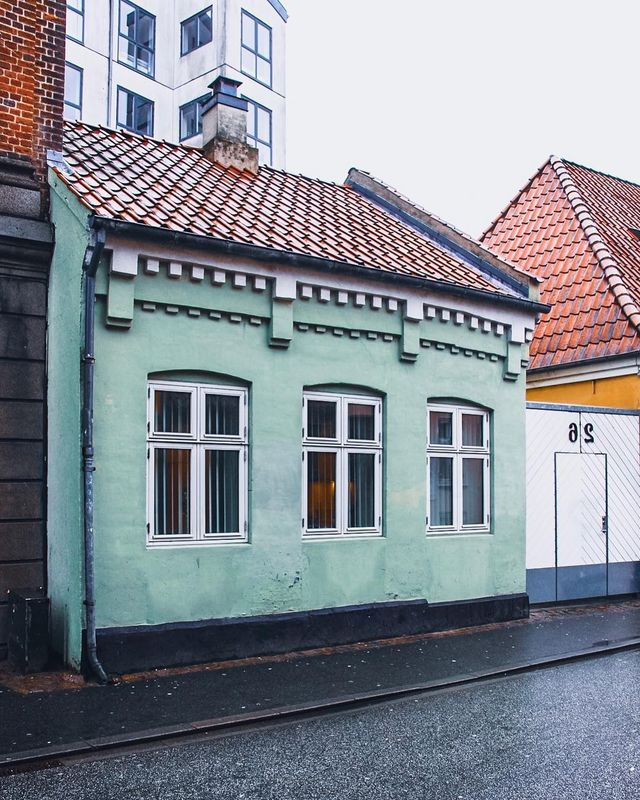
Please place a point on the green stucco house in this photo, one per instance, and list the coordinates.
(282, 412)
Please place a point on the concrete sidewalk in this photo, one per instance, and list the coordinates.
(50, 716)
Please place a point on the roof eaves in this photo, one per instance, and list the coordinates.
(270, 254)
(597, 243)
(441, 233)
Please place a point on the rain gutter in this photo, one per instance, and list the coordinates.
(90, 267)
(285, 257)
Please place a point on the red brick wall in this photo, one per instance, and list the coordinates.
(32, 42)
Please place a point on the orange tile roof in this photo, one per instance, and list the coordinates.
(573, 227)
(123, 176)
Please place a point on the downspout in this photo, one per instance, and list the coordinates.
(90, 267)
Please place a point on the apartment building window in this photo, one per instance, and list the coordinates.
(197, 463)
(458, 467)
(136, 41)
(256, 51)
(341, 465)
(196, 31)
(75, 20)
(191, 117)
(259, 131)
(72, 92)
(135, 113)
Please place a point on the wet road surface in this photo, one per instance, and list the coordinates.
(571, 731)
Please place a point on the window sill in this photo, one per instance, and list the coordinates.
(337, 537)
(177, 543)
(467, 532)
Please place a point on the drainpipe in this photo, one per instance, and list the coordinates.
(90, 267)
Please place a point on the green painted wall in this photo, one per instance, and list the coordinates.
(277, 570)
(64, 462)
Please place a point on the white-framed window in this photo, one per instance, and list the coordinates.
(341, 465)
(458, 469)
(197, 463)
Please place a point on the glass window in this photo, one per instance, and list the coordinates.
(191, 117)
(136, 40)
(458, 458)
(196, 31)
(75, 20)
(72, 92)
(259, 133)
(197, 450)
(342, 454)
(255, 54)
(135, 113)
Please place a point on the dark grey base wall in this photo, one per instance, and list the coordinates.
(25, 252)
(138, 648)
(549, 585)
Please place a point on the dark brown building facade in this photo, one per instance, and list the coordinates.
(31, 108)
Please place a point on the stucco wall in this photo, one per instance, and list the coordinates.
(277, 570)
(621, 391)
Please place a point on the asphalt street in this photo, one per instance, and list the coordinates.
(571, 731)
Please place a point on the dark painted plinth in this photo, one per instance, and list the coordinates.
(145, 647)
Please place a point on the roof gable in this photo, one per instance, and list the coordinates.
(570, 226)
(122, 176)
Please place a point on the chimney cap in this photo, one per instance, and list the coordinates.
(225, 93)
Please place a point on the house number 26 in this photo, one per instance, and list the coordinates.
(574, 432)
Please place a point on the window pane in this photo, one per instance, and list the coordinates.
(264, 153)
(145, 29)
(74, 25)
(76, 4)
(248, 32)
(144, 60)
(127, 19)
(361, 422)
(321, 490)
(144, 116)
(172, 492)
(222, 415)
(222, 490)
(189, 35)
(248, 62)
(264, 71)
(321, 419)
(362, 490)
(205, 31)
(472, 430)
(188, 121)
(71, 112)
(251, 121)
(264, 41)
(472, 491)
(441, 491)
(264, 125)
(440, 427)
(72, 84)
(172, 412)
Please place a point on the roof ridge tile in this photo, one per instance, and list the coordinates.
(598, 246)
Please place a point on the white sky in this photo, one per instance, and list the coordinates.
(456, 103)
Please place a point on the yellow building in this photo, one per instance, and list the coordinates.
(578, 231)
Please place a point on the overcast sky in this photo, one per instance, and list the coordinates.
(456, 103)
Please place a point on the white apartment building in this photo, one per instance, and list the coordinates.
(147, 66)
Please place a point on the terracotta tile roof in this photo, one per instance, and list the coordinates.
(127, 177)
(573, 227)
